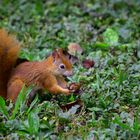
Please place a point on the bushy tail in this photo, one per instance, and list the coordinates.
(9, 49)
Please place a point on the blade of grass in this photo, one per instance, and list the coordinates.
(32, 104)
(20, 100)
(3, 109)
(33, 121)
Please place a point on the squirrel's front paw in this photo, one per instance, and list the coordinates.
(67, 92)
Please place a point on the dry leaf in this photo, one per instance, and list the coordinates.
(87, 63)
(71, 104)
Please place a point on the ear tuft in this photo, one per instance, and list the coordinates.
(62, 51)
(55, 54)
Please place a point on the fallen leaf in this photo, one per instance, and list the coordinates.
(71, 104)
(87, 63)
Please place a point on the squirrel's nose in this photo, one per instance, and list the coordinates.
(68, 73)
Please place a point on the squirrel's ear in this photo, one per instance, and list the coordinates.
(55, 55)
(62, 51)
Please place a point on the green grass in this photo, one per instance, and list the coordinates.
(109, 33)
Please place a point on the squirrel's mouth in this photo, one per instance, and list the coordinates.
(68, 73)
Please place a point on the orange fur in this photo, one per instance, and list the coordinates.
(9, 48)
(46, 74)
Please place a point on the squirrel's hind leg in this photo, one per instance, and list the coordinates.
(14, 89)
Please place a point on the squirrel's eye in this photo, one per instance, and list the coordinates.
(62, 66)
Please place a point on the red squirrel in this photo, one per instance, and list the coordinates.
(46, 74)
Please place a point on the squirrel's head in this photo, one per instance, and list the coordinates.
(62, 63)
